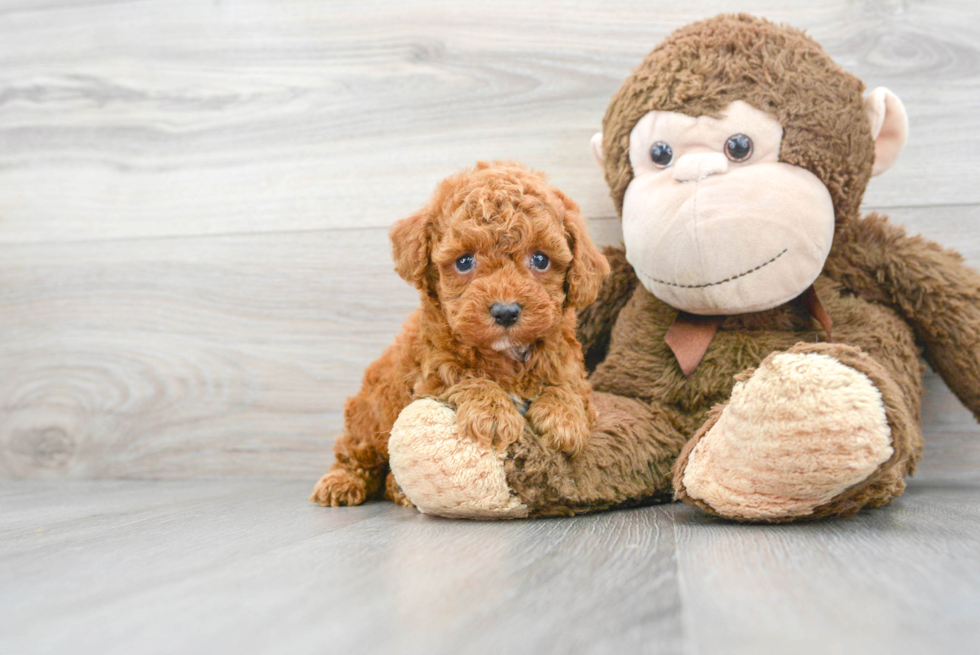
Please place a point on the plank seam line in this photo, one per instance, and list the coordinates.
(345, 228)
(690, 646)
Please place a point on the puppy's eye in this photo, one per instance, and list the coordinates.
(540, 261)
(661, 154)
(738, 147)
(465, 263)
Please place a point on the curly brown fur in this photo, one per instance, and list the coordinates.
(452, 349)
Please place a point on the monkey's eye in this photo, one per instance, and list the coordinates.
(465, 263)
(540, 261)
(661, 154)
(738, 147)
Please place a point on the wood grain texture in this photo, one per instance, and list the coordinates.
(222, 356)
(194, 197)
(127, 119)
(902, 580)
(194, 272)
(250, 566)
(186, 357)
(253, 567)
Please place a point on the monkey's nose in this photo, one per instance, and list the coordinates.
(699, 165)
(505, 314)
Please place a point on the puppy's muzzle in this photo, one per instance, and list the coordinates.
(505, 314)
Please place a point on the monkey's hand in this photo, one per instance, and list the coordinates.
(485, 413)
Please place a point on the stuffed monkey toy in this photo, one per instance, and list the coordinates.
(756, 348)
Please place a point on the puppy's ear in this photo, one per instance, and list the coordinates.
(589, 266)
(411, 245)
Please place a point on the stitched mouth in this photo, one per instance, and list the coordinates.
(712, 284)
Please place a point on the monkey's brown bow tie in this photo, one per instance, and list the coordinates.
(690, 335)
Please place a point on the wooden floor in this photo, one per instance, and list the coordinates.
(195, 271)
(250, 567)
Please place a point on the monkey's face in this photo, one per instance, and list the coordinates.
(713, 222)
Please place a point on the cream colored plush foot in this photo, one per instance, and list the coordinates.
(802, 429)
(444, 474)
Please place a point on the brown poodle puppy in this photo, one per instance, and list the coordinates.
(501, 261)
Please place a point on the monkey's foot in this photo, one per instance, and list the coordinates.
(804, 436)
(444, 474)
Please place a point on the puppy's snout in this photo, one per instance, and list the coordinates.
(505, 314)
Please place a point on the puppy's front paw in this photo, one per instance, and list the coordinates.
(493, 424)
(339, 487)
(564, 428)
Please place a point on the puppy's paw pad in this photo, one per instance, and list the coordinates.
(338, 488)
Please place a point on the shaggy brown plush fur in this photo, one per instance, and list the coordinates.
(891, 297)
(452, 349)
(701, 68)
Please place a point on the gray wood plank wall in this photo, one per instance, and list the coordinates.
(194, 197)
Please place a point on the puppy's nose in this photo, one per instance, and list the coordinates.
(505, 314)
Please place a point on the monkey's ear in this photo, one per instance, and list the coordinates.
(589, 266)
(411, 243)
(889, 127)
(597, 149)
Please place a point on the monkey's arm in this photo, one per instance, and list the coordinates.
(929, 285)
(595, 322)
